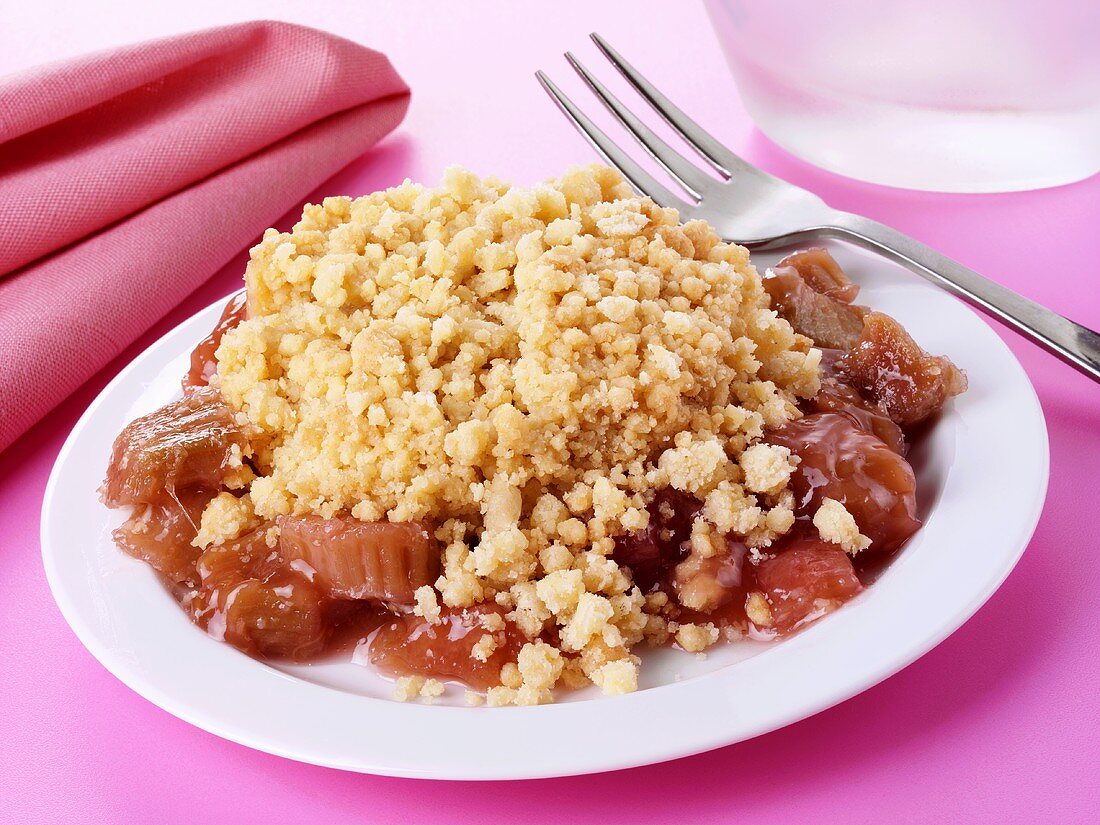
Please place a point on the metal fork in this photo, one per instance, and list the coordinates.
(760, 211)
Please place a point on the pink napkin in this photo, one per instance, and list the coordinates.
(128, 177)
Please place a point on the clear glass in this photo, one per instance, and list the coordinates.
(944, 95)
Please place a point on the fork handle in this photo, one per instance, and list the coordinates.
(1077, 345)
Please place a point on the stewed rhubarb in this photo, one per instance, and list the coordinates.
(819, 271)
(652, 553)
(829, 321)
(839, 396)
(874, 355)
(162, 534)
(889, 367)
(508, 438)
(804, 580)
(203, 361)
(252, 599)
(385, 561)
(470, 645)
(190, 443)
(840, 461)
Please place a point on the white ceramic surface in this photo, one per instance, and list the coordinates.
(982, 474)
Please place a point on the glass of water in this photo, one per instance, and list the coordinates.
(944, 95)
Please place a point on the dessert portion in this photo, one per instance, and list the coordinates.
(506, 437)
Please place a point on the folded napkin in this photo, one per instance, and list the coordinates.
(128, 177)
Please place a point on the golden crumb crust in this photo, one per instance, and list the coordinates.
(523, 367)
(835, 524)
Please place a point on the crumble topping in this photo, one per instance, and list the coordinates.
(407, 688)
(758, 609)
(473, 698)
(834, 523)
(616, 678)
(431, 690)
(484, 648)
(530, 681)
(524, 368)
(427, 605)
(226, 516)
(767, 467)
(695, 638)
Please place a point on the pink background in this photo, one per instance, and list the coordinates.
(1001, 721)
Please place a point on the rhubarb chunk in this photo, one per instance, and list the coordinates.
(454, 648)
(161, 534)
(828, 321)
(888, 366)
(261, 606)
(838, 460)
(805, 581)
(837, 395)
(203, 361)
(355, 559)
(652, 553)
(190, 443)
(821, 273)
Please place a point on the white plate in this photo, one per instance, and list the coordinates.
(982, 472)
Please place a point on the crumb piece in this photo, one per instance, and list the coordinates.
(616, 678)
(779, 520)
(484, 647)
(427, 605)
(758, 610)
(510, 675)
(530, 614)
(501, 696)
(621, 218)
(655, 601)
(699, 582)
(591, 616)
(696, 637)
(238, 474)
(556, 557)
(271, 539)
(527, 695)
(460, 588)
(731, 510)
(492, 621)
(573, 532)
(473, 698)
(431, 690)
(696, 466)
(705, 541)
(835, 524)
(537, 670)
(767, 467)
(572, 675)
(502, 555)
(561, 591)
(540, 665)
(601, 574)
(408, 687)
(225, 518)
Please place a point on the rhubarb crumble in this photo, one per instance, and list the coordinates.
(508, 437)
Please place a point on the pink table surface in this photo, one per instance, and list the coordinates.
(1000, 722)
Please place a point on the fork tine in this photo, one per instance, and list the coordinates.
(693, 180)
(638, 177)
(696, 136)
